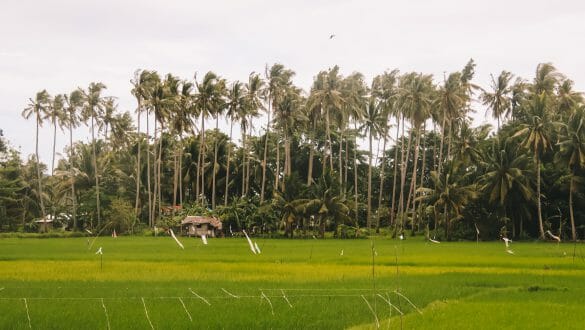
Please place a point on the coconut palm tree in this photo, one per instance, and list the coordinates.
(327, 206)
(572, 155)
(38, 108)
(182, 123)
(255, 93)
(92, 110)
(218, 110)
(164, 102)
(208, 98)
(450, 192)
(499, 101)
(108, 116)
(567, 99)
(327, 96)
(546, 79)
(354, 93)
(537, 139)
(416, 98)
(384, 89)
(235, 102)
(507, 175)
(57, 118)
(141, 88)
(278, 80)
(451, 100)
(74, 103)
(373, 121)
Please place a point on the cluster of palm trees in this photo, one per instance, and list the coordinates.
(430, 169)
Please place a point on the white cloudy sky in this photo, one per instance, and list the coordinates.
(64, 44)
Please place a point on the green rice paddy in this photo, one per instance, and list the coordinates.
(145, 283)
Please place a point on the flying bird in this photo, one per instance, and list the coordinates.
(257, 248)
(341, 254)
(99, 251)
(434, 241)
(204, 239)
(331, 36)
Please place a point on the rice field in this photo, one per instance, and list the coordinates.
(151, 283)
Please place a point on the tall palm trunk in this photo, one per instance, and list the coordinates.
(137, 200)
(95, 169)
(571, 214)
(148, 172)
(248, 167)
(39, 178)
(422, 168)
(440, 166)
(72, 173)
(341, 160)
(346, 165)
(181, 170)
(403, 167)
(244, 153)
(202, 154)
(355, 176)
(369, 220)
(159, 167)
(329, 144)
(227, 171)
(380, 195)
(311, 155)
(434, 166)
(395, 175)
(197, 171)
(54, 144)
(155, 172)
(449, 143)
(215, 146)
(287, 148)
(277, 172)
(175, 182)
(540, 226)
(310, 171)
(266, 153)
(411, 195)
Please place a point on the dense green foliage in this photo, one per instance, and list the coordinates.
(303, 172)
(64, 284)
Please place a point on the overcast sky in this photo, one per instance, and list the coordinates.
(64, 44)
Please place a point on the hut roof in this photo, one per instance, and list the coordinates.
(196, 219)
(44, 221)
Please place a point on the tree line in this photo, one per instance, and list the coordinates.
(425, 168)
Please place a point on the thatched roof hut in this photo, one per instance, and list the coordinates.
(201, 225)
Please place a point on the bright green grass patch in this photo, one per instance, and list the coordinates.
(139, 282)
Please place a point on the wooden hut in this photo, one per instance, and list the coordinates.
(200, 225)
(45, 224)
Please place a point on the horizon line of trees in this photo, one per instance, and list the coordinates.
(425, 170)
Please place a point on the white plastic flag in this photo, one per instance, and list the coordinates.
(249, 242)
(176, 240)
